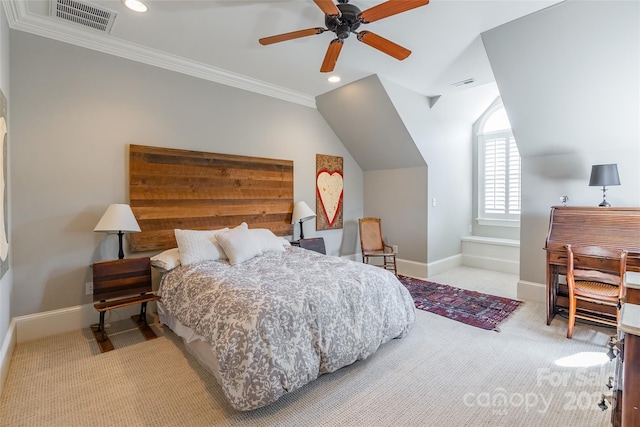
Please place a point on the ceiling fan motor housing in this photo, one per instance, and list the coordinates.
(346, 23)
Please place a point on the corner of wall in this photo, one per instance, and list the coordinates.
(6, 351)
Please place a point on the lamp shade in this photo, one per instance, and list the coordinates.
(118, 218)
(602, 175)
(301, 212)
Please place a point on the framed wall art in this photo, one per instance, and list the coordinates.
(329, 192)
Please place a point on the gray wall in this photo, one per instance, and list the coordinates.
(74, 113)
(399, 198)
(445, 145)
(395, 178)
(569, 77)
(392, 132)
(6, 283)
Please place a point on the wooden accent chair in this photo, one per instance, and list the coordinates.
(594, 275)
(373, 245)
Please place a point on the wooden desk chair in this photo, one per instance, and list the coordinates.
(373, 245)
(594, 275)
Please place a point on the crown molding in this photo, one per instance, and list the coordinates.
(19, 18)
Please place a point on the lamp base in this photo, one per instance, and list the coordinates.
(604, 203)
(120, 251)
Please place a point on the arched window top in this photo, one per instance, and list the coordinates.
(496, 121)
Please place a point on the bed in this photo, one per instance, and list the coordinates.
(264, 317)
(273, 323)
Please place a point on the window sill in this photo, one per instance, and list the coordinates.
(494, 222)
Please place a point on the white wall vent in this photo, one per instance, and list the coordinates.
(83, 13)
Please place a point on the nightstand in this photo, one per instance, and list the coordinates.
(120, 283)
(313, 244)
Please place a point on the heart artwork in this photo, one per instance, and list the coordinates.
(329, 186)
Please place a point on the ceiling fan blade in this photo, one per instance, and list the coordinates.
(292, 35)
(390, 7)
(383, 45)
(328, 7)
(331, 57)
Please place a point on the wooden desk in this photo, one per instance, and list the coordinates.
(613, 228)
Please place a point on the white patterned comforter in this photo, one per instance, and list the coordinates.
(280, 320)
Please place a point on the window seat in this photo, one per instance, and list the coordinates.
(491, 253)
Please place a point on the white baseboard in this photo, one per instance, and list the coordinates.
(491, 253)
(6, 351)
(532, 291)
(443, 265)
(493, 264)
(68, 319)
(411, 268)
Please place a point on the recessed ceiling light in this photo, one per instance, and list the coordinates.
(135, 5)
(334, 79)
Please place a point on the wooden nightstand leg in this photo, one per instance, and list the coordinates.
(141, 323)
(101, 336)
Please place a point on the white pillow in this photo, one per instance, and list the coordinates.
(239, 244)
(198, 245)
(167, 260)
(268, 241)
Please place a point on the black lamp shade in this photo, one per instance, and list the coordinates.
(602, 175)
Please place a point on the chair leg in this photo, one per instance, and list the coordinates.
(572, 316)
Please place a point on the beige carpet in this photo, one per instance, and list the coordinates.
(443, 374)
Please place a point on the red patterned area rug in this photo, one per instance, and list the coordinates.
(469, 307)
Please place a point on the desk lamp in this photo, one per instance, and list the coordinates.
(603, 175)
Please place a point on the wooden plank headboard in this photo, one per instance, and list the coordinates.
(171, 188)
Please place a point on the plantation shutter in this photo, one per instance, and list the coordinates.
(501, 176)
(514, 178)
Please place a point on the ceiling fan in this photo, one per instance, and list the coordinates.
(344, 19)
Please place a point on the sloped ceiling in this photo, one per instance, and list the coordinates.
(366, 121)
(574, 86)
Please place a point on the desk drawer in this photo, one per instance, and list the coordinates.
(560, 259)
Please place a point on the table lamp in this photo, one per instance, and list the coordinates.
(603, 175)
(119, 219)
(301, 213)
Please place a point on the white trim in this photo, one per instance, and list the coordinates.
(20, 18)
(491, 253)
(445, 264)
(492, 241)
(493, 264)
(6, 351)
(532, 291)
(47, 323)
(515, 223)
(411, 268)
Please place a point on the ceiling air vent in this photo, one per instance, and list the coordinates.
(83, 13)
(463, 82)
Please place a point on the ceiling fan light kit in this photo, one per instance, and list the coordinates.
(343, 19)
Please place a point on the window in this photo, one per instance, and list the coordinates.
(499, 169)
